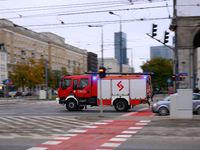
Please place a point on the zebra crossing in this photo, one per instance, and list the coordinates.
(38, 126)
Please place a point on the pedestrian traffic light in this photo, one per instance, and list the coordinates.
(173, 77)
(166, 37)
(180, 77)
(102, 72)
(154, 29)
(4, 82)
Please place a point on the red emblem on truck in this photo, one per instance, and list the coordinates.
(120, 85)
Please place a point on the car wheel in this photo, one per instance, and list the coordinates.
(163, 111)
(71, 105)
(121, 105)
(198, 111)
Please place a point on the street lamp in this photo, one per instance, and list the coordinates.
(101, 40)
(120, 66)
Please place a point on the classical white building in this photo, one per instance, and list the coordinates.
(111, 65)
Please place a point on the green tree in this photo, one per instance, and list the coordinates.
(28, 73)
(162, 69)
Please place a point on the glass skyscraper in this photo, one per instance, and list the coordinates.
(161, 51)
(117, 47)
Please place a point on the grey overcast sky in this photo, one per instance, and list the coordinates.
(137, 20)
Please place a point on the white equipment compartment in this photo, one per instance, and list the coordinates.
(138, 88)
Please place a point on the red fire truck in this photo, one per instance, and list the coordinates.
(120, 91)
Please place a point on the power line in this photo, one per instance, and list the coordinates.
(89, 12)
(78, 24)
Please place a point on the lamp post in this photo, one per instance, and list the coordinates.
(101, 41)
(120, 66)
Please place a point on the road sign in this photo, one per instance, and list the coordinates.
(184, 74)
(7, 81)
(169, 80)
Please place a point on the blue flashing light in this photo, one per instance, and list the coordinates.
(94, 78)
(145, 77)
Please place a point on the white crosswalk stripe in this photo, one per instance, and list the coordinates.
(38, 126)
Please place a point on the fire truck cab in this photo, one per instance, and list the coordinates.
(120, 91)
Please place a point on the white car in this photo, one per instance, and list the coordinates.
(12, 94)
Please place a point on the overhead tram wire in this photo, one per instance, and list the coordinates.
(90, 12)
(80, 24)
(64, 6)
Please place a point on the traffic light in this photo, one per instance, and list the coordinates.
(173, 27)
(166, 37)
(180, 77)
(173, 77)
(4, 82)
(154, 29)
(102, 72)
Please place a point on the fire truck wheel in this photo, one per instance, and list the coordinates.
(121, 105)
(71, 105)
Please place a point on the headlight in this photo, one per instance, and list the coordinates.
(154, 104)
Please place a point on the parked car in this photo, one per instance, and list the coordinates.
(28, 93)
(12, 94)
(163, 107)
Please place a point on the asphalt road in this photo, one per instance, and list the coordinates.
(26, 124)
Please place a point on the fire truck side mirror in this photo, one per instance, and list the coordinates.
(102, 72)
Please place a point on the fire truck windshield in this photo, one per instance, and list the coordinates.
(66, 83)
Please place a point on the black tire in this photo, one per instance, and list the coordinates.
(71, 105)
(121, 105)
(198, 111)
(163, 111)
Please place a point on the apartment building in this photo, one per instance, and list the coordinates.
(22, 43)
(3, 65)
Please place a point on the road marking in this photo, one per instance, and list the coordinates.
(90, 126)
(118, 139)
(111, 144)
(135, 128)
(70, 134)
(138, 124)
(52, 142)
(100, 123)
(133, 132)
(78, 131)
(124, 136)
(62, 138)
(38, 148)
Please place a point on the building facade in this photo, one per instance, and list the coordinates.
(92, 62)
(3, 65)
(118, 40)
(161, 51)
(112, 65)
(22, 43)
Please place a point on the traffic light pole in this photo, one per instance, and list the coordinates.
(176, 50)
(101, 111)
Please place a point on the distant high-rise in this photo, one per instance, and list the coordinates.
(117, 47)
(161, 51)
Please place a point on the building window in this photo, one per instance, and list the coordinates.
(8, 42)
(15, 51)
(8, 50)
(8, 34)
(18, 38)
(8, 58)
(22, 39)
(15, 37)
(18, 45)
(15, 59)
(19, 52)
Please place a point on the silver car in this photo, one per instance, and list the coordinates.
(163, 107)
